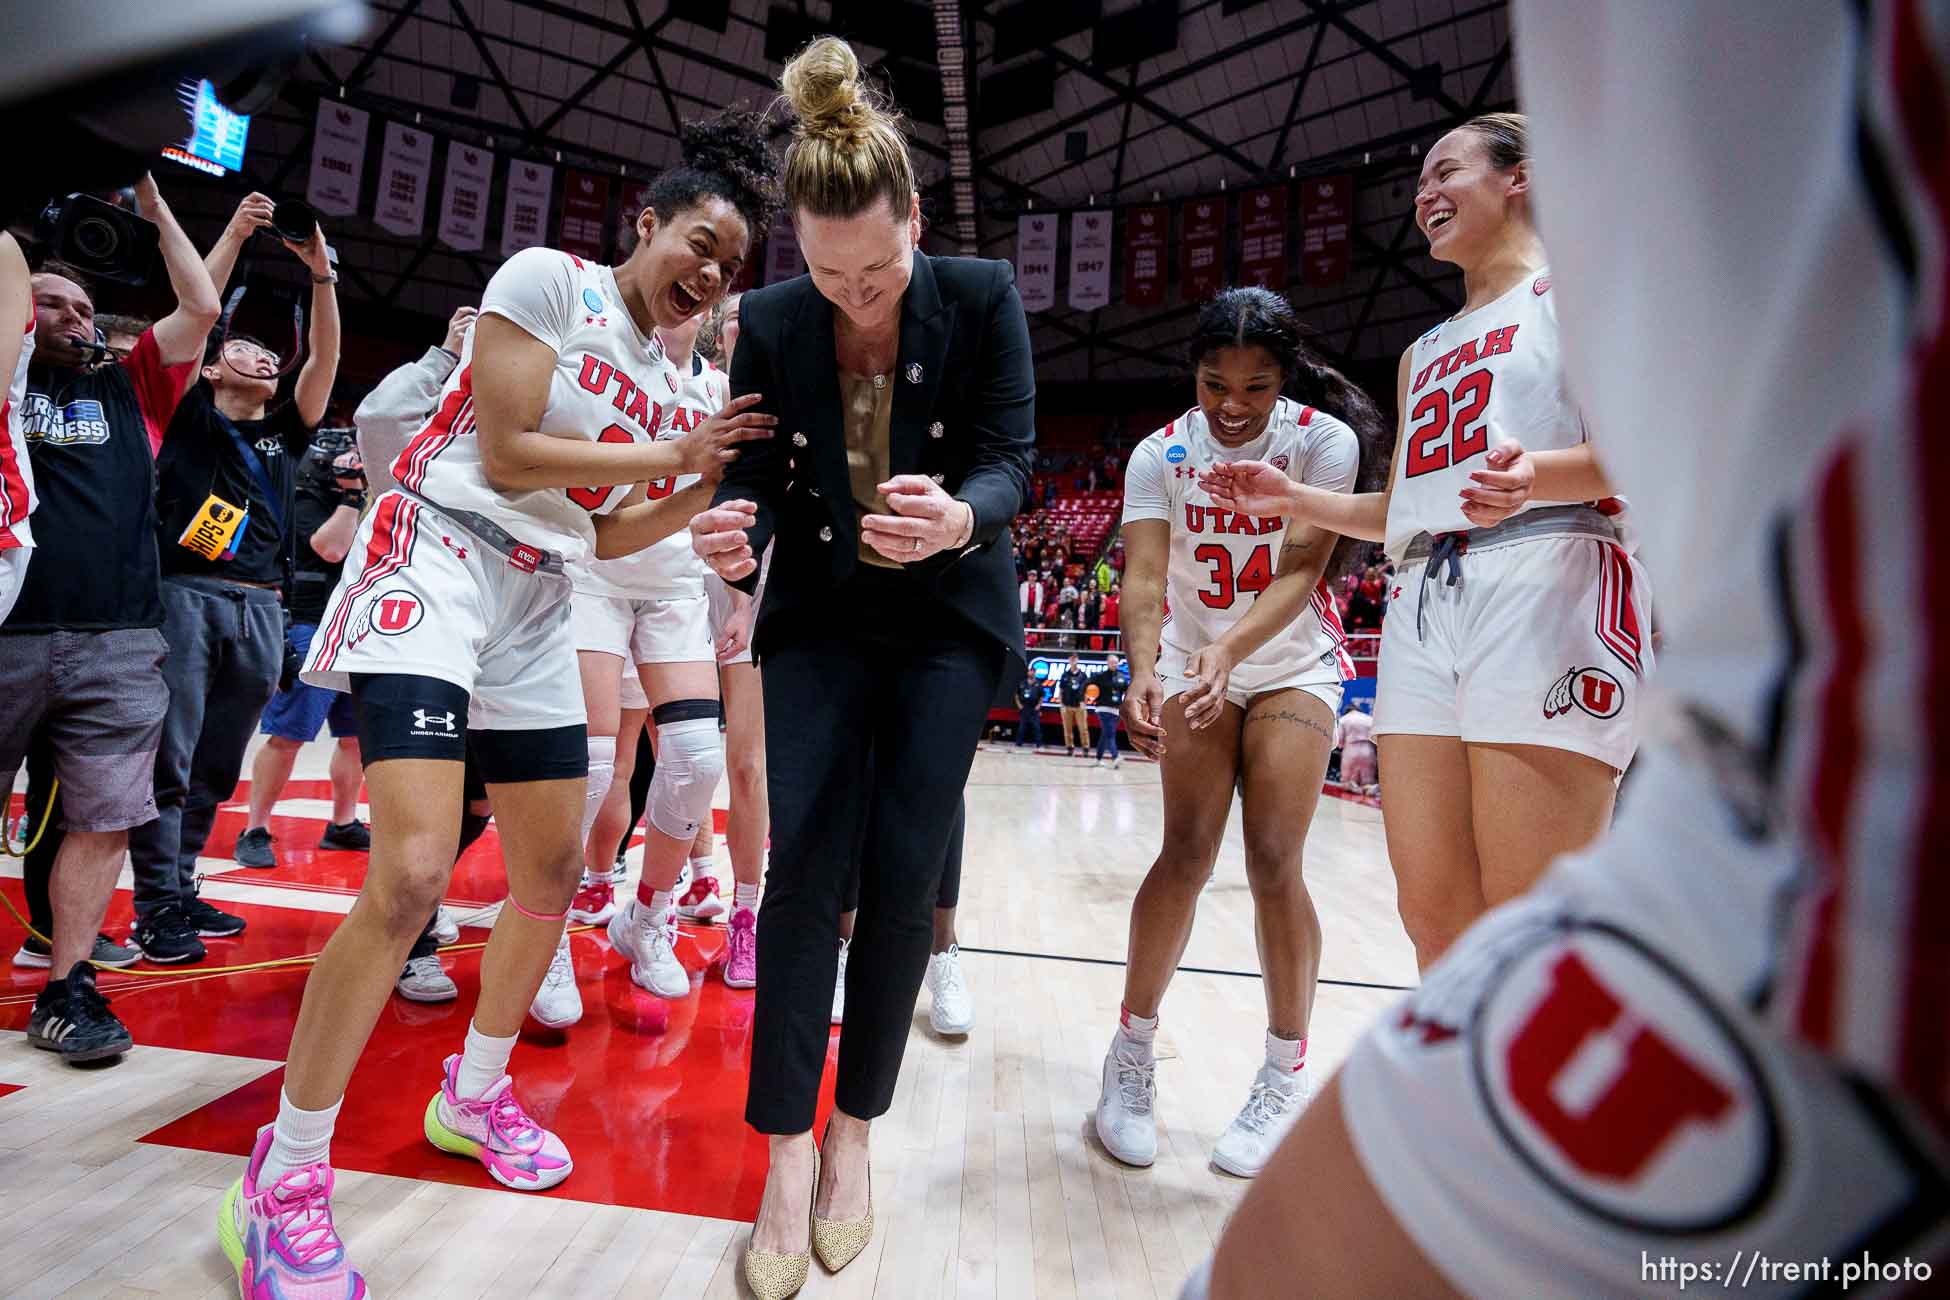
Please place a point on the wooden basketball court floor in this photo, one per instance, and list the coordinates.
(988, 1178)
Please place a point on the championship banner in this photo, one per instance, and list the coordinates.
(585, 212)
(526, 222)
(338, 159)
(1145, 232)
(405, 165)
(1326, 217)
(1036, 261)
(1262, 230)
(464, 197)
(782, 257)
(1202, 245)
(1089, 260)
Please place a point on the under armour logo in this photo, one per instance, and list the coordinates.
(459, 551)
(1184, 471)
(422, 721)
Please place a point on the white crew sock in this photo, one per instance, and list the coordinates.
(657, 910)
(1285, 1055)
(744, 895)
(1135, 1034)
(704, 867)
(483, 1061)
(602, 770)
(299, 1138)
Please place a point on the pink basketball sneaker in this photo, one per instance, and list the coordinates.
(741, 951)
(495, 1130)
(280, 1238)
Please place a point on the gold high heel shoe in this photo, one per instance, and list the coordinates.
(838, 1242)
(775, 1277)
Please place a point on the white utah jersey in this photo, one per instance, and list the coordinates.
(1473, 381)
(612, 383)
(17, 500)
(1220, 560)
(670, 568)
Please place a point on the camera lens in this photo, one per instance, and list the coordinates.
(294, 220)
(96, 238)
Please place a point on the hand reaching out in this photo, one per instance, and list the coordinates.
(1251, 487)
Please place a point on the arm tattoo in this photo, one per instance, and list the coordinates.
(1288, 715)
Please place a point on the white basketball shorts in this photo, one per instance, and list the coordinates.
(1581, 1099)
(719, 594)
(1247, 681)
(425, 597)
(1543, 641)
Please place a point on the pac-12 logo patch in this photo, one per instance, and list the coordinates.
(1280, 462)
(1175, 454)
(1622, 1085)
(1593, 690)
(396, 612)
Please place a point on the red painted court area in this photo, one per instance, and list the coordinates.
(649, 1095)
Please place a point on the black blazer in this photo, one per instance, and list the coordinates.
(964, 413)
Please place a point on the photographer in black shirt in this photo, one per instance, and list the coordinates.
(331, 491)
(227, 513)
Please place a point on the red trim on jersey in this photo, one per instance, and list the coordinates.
(14, 498)
(389, 551)
(1922, 105)
(454, 419)
(1306, 416)
(1839, 743)
(1330, 620)
(1618, 614)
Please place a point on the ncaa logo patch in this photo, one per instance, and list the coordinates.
(1622, 1086)
(1176, 454)
(395, 613)
(1593, 690)
(593, 301)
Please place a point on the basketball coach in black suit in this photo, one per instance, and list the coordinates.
(905, 396)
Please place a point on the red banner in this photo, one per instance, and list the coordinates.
(1202, 245)
(1262, 243)
(585, 215)
(1145, 231)
(1326, 218)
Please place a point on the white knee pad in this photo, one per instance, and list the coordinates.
(602, 769)
(690, 759)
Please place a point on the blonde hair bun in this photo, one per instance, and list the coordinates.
(822, 84)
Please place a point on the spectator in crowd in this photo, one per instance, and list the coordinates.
(1354, 734)
(1111, 601)
(1067, 597)
(120, 333)
(397, 408)
(325, 513)
(1029, 710)
(1103, 575)
(1066, 622)
(230, 453)
(1092, 613)
(1069, 699)
(1110, 684)
(1032, 591)
(81, 652)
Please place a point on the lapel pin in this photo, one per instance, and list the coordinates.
(935, 430)
(914, 373)
(798, 439)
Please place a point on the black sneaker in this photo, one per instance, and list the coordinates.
(212, 922)
(71, 1017)
(345, 835)
(166, 936)
(254, 848)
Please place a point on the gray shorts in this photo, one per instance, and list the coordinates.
(100, 698)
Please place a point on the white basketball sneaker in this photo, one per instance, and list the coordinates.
(950, 1009)
(446, 930)
(839, 987)
(1125, 1122)
(558, 1003)
(1255, 1133)
(651, 945)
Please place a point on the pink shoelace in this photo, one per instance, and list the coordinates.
(303, 1214)
(509, 1122)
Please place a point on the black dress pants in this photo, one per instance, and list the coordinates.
(872, 710)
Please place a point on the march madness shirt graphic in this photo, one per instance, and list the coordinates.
(80, 423)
